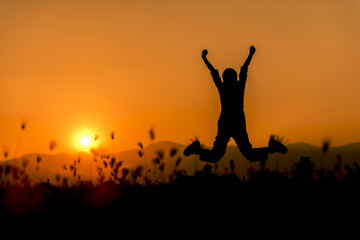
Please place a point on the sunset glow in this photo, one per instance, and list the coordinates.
(128, 66)
(119, 113)
(85, 141)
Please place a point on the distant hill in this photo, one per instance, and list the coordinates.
(349, 154)
(88, 165)
(40, 167)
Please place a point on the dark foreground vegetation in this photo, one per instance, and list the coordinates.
(205, 196)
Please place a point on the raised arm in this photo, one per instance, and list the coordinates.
(248, 60)
(244, 68)
(208, 64)
(214, 73)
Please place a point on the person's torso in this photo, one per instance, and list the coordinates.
(232, 99)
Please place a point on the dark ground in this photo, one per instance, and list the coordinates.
(304, 197)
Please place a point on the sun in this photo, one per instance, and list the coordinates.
(85, 141)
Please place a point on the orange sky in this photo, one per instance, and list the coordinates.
(127, 66)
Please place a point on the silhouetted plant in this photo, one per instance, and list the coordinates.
(52, 145)
(141, 155)
(99, 170)
(325, 148)
(278, 138)
(112, 162)
(178, 161)
(125, 172)
(25, 162)
(326, 145)
(101, 179)
(15, 173)
(162, 167)
(23, 126)
(152, 134)
(136, 173)
(216, 168)
(5, 152)
(7, 169)
(94, 152)
(112, 135)
(156, 160)
(160, 154)
(337, 166)
(206, 171)
(57, 178)
(115, 170)
(304, 170)
(96, 137)
(65, 182)
(232, 165)
(173, 152)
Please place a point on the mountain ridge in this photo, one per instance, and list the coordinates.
(168, 142)
(40, 166)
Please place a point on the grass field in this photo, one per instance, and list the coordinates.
(204, 193)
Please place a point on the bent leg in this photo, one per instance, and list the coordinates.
(218, 150)
(250, 153)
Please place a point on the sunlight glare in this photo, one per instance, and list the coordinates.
(85, 141)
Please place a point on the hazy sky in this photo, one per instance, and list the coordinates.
(126, 66)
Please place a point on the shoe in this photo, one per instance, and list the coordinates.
(193, 148)
(275, 146)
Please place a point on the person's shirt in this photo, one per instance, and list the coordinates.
(231, 94)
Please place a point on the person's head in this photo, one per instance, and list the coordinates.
(229, 75)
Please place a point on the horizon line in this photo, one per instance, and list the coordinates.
(159, 142)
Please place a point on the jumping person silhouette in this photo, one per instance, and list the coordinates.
(232, 122)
